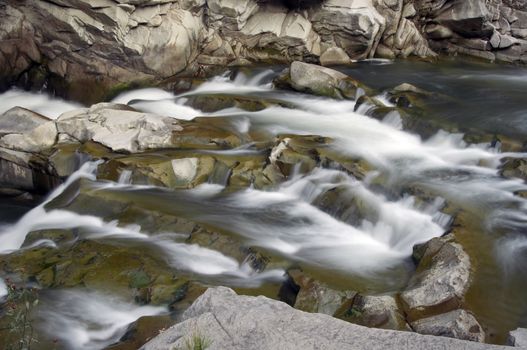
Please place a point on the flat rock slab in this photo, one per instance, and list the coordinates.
(225, 320)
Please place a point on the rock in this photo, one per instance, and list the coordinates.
(19, 120)
(354, 26)
(118, 128)
(438, 32)
(518, 338)
(225, 320)
(441, 280)
(405, 87)
(315, 296)
(321, 81)
(22, 171)
(290, 35)
(41, 138)
(334, 56)
(378, 311)
(457, 324)
(468, 17)
(103, 46)
(230, 14)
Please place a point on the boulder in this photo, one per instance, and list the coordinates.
(354, 26)
(39, 139)
(322, 81)
(118, 128)
(23, 171)
(315, 296)
(518, 338)
(100, 46)
(223, 320)
(230, 14)
(19, 120)
(290, 35)
(334, 56)
(458, 324)
(441, 280)
(378, 311)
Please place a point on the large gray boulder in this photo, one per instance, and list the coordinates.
(518, 338)
(118, 127)
(101, 43)
(224, 320)
(19, 120)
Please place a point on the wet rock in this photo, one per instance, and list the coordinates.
(441, 280)
(457, 324)
(26, 172)
(141, 331)
(378, 311)
(518, 338)
(514, 167)
(315, 296)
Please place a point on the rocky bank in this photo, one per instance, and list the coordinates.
(88, 50)
(225, 320)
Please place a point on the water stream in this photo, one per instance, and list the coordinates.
(370, 250)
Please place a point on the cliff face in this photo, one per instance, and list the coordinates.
(106, 42)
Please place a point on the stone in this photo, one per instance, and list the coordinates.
(315, 79)
(518, 338)
(41, 138)
(457, 324)
(289, 34)
(378, 311)
(354, 26)
(441, 280)
(315, 296)
(118, 128)
(228, 321)
(438, 32)
(334, 56)
(19, 120)
(230, 14)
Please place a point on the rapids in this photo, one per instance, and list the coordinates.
(371, 252)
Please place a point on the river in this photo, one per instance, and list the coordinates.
(368, 251)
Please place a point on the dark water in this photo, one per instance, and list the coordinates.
(489, 97)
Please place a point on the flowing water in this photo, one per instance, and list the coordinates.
(405, 198)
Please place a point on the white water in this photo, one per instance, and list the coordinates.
(36, 102)
(3, 289)
(88, 320)
(185, 257)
